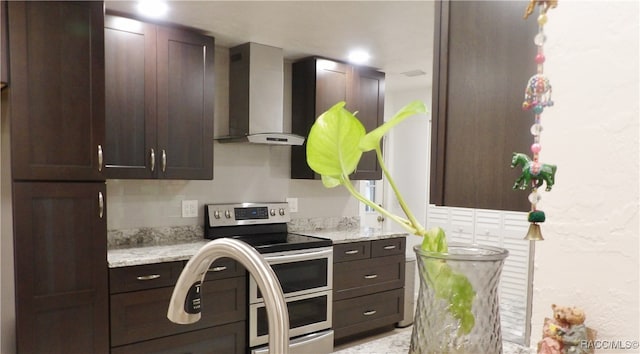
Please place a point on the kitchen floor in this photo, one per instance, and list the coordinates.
(398, 341)
(391, 342)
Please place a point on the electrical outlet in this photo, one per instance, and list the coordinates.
(189, 208)
(293, 205)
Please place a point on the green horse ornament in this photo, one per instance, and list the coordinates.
(540, 173)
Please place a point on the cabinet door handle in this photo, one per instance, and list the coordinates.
(164, 160)
(390, 247)
(148, 277)
(369, 313)
(100, 205)
(217, 269)
(371, 276)
(100, 158)
(153, 159)
(351, 252)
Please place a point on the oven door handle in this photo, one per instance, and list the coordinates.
(286, 258)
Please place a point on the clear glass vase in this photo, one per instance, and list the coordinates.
(435, 329)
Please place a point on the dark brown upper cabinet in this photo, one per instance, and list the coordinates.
(159, 95)
(4, 58)
(57, 90)
(62, 298)
(317, 85)
(483, 58)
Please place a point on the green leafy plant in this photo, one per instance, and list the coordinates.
(335, 144)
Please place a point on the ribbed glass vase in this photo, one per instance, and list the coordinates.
(435, 330)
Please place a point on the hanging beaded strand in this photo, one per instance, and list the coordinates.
(538, 108)
(537, 98)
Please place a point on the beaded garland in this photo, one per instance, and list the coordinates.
(537, 97)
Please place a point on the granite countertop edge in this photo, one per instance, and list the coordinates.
(179, 251)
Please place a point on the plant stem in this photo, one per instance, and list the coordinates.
(419, 229)
(402, 221)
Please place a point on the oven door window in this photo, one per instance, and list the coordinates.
(302, 313)
(303, 275)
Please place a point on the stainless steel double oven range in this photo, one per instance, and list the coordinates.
(303, 264)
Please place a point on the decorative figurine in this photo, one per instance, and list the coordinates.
(566, 332)
(532, 171)
(537, 95)
(545, 3)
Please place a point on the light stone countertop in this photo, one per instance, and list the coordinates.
(353, 235)
(141, 254)
(124, 257)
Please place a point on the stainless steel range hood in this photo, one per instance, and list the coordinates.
(256, 96)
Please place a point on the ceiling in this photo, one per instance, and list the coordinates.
(398, 34)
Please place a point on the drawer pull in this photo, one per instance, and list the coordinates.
(390, 247)
(164, 160)
(100, 158)
(148, 277)
(152, 159)
(100, 205)
(371, 276)
(217, 269)
(369, 313)
(351, 252)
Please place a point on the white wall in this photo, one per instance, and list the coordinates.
(590, 256)
(407, 158)
(242, 172)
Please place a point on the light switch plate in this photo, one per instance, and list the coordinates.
(189, 208)
(293, 205)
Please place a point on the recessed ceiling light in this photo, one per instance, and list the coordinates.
(359, 56)
(152, 8)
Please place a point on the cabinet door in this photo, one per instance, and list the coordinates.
(318, 84)
(57, 96)
(130, 68)
(142, 315)
(333, 84)
(477, 117)
(227, 339)
(369, 100)
(185, 104)
(61, 267)
(4, 72)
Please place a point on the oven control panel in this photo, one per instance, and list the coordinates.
(247, 213)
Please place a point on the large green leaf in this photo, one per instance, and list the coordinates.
(332, 145)
(372, 140)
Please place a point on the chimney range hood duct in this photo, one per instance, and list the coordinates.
(256, 96)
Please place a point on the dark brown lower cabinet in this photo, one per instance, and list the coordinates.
(140, 298)
(61, 267)
(360, 314)
(368, 286)
(229, 338)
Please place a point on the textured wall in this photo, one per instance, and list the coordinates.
(590, 255)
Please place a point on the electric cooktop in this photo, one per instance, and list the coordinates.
(261, 225)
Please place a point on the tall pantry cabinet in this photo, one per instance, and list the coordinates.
(57, 134)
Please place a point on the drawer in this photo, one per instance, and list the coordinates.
(148, 276)
(388, 247)
(367, 276)
(224, 268)
(367, 312)
(142, 315)
(351, 251)
(229, 338)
